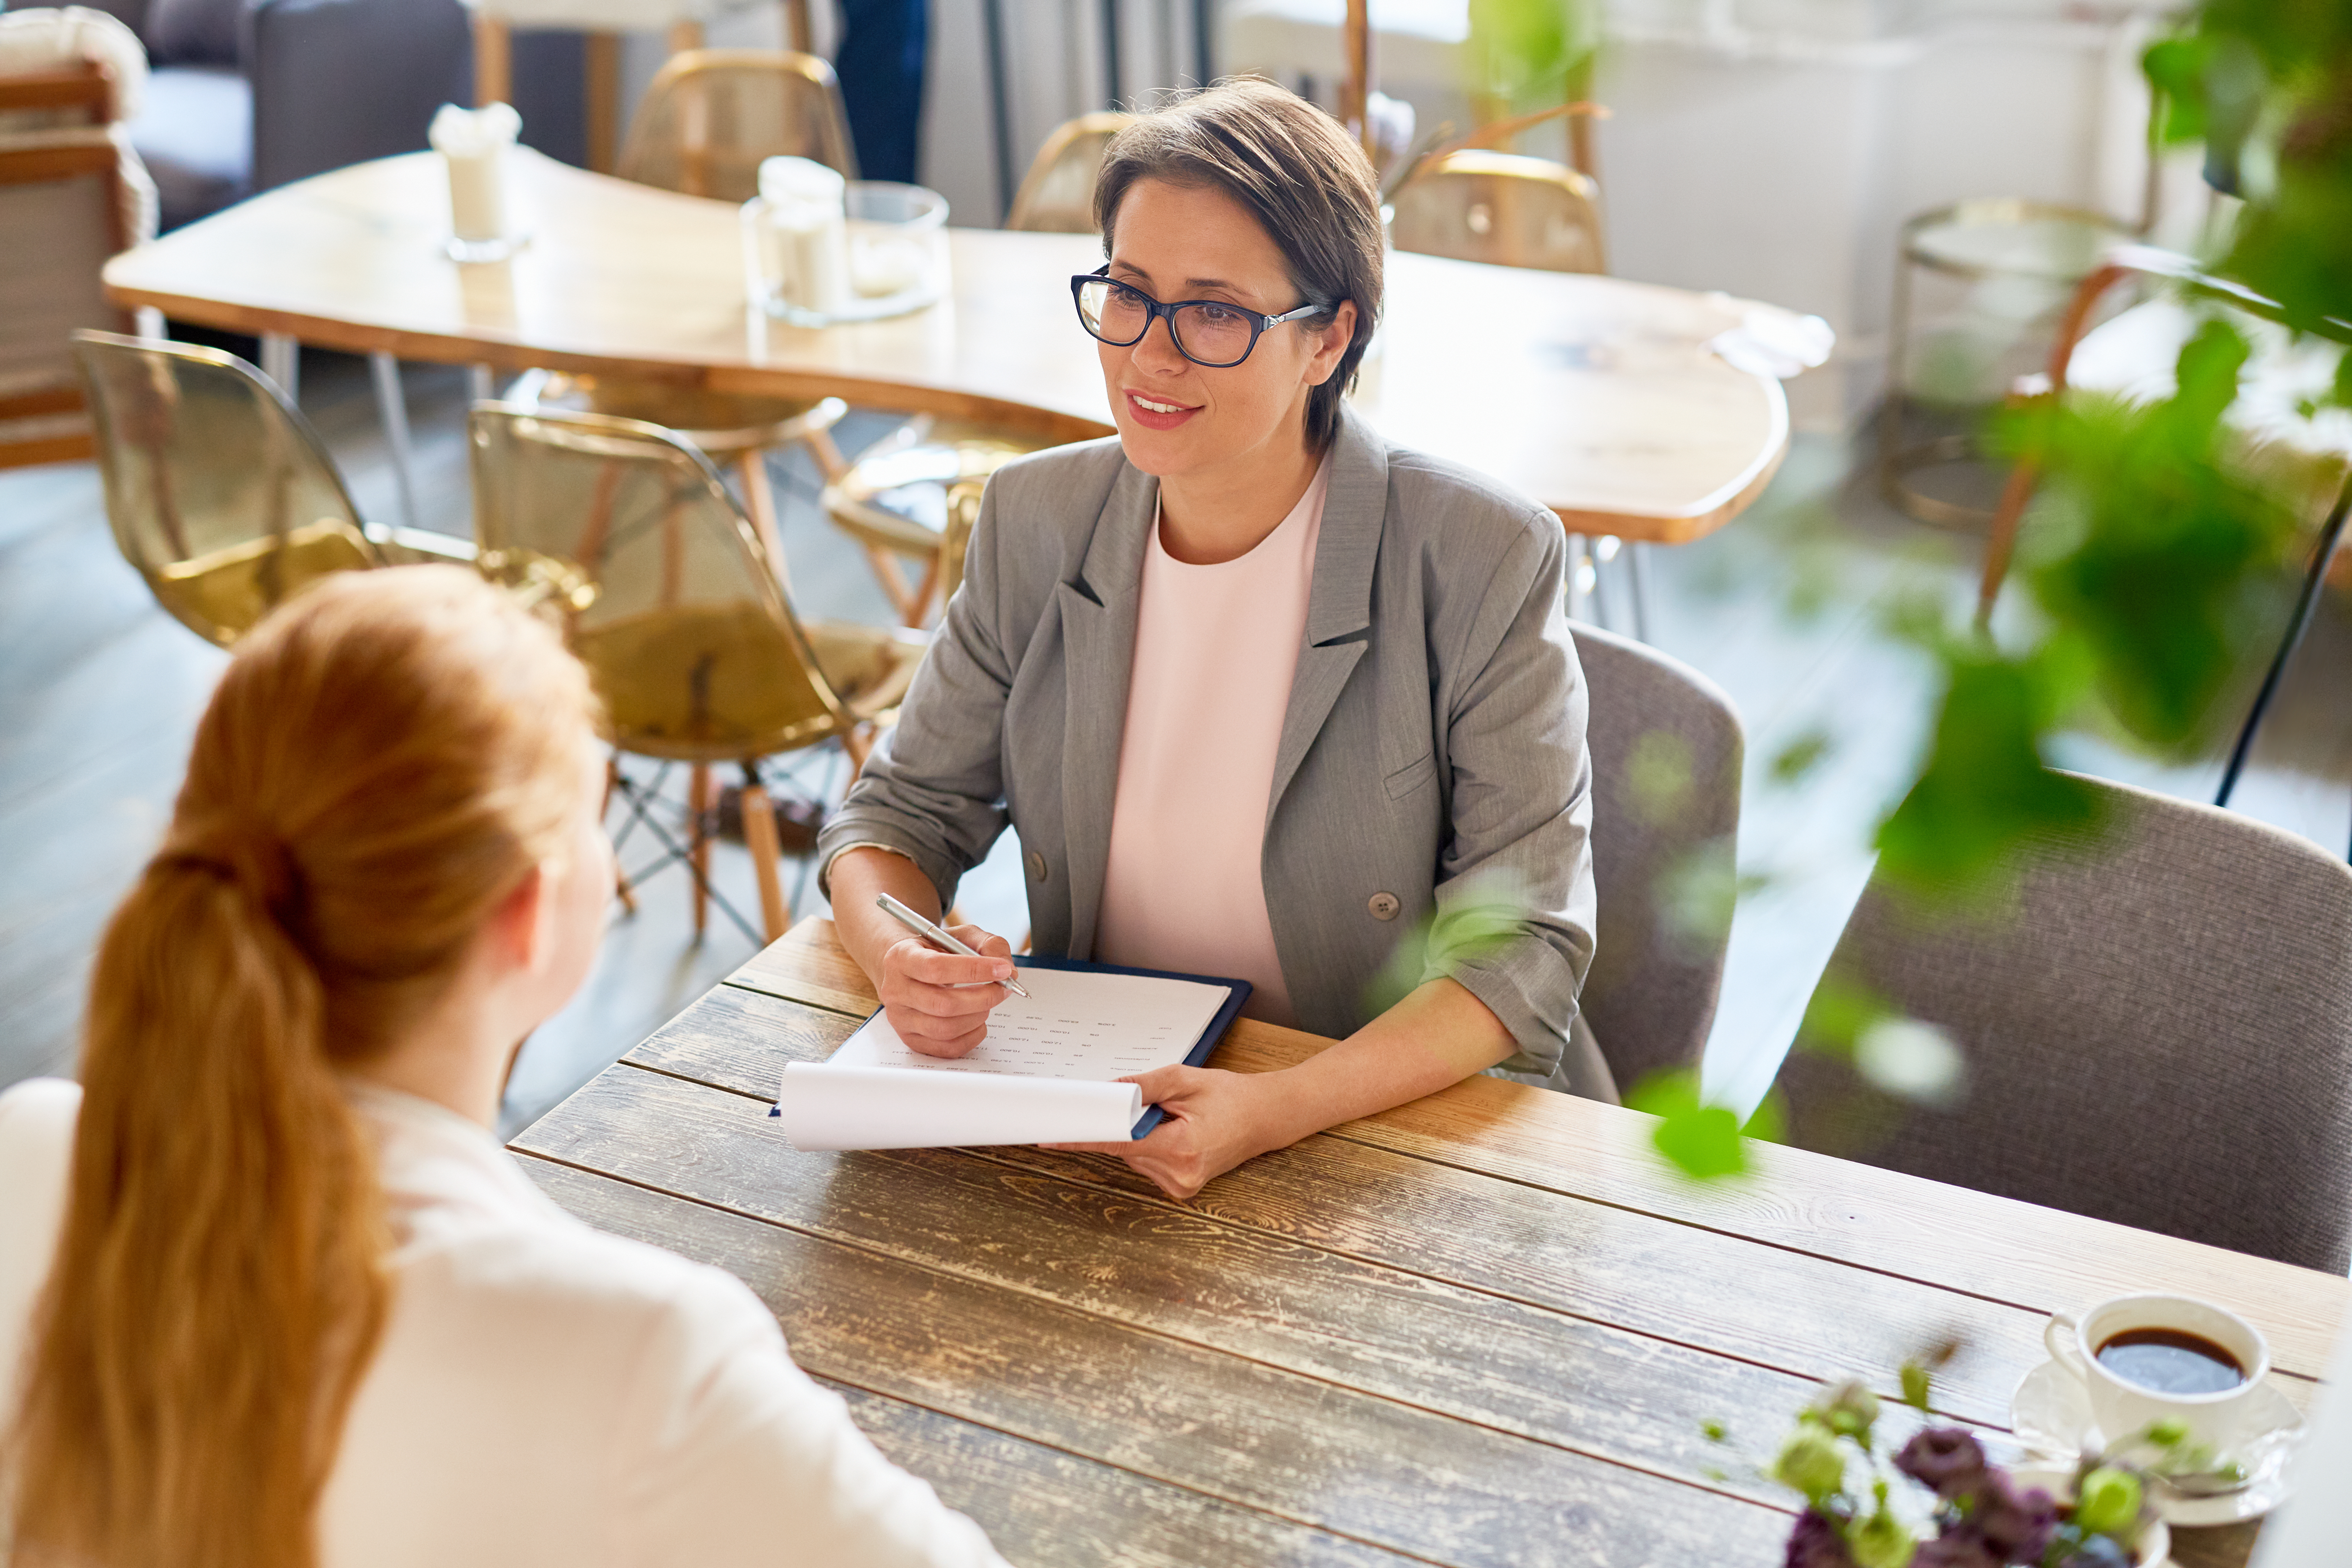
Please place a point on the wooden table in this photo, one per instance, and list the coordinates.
(1484, 1328)
(1595, 394)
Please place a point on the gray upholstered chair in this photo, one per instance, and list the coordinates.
(2158, 1030)
(1666, 749)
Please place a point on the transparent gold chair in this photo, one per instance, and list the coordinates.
(904, 498)
(1474, 205)
(707, 121)
(711, 116)
(217, 490)
(668, 595)
(1057, 195)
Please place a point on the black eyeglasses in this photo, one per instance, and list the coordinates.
(1211, 332)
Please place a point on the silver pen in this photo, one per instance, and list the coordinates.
(932, 933)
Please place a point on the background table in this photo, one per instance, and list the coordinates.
(1483, 1327)
(1594, 395)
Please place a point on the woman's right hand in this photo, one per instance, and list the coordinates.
(939, 1002)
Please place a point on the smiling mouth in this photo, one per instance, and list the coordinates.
(1157, 407)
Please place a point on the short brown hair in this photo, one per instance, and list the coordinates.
(1292, 166)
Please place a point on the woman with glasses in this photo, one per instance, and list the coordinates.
(1264, 696)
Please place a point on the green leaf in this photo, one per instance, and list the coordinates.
(1701, 1140)
(1841, 1010)
(1658, 775)
(1915, 1384)
(1985, 787)
(1800, 756)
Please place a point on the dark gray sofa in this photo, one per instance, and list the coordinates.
(246, 95)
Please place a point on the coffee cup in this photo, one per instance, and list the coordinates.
(2148, 1359)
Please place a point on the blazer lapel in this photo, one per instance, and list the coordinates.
(1098, 612)
(1339, 600)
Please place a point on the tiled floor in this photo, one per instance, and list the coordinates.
(99, 690)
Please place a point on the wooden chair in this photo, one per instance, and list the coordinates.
(910, 494)
(1057, 195)
(708, 119)
(712, 116)
(1477, 204)
(669, 595)
(681, 21)
(217, 490)
(66, 205)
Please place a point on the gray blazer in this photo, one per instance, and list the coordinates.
(1434, 746)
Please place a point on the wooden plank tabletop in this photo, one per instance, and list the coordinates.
(1484, 1328)
(1596, 395)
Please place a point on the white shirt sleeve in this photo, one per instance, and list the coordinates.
(728, 1454)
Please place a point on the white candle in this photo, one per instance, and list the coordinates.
(473, 144)
(808, 233)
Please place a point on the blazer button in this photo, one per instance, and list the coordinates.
(1384, 906)
(1036, 864)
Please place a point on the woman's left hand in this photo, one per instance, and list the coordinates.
(1215, 1120)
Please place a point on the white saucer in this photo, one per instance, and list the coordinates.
(2051, 1414)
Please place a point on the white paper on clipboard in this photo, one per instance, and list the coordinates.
(1044, 1075)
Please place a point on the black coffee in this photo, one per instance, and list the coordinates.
(2167, 1361)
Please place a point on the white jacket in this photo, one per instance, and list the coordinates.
(544, 1393)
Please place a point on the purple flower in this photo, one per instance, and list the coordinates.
(1960, 1547)
(2017, 1526)
(1815, 1543)
(1944, 1459)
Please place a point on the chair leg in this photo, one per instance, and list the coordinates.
(1637, 556)
(827, 453)
(925, 592)
(759, 838)
(894, 585)
(621, 888)
(698, 805)
(282, 362)
(2330, 534)
(393, 405)
(760, 500)
(860, 743)
(1579, 598)
(493, 61)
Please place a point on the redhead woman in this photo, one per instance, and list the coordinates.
(271, 1292)
(1260, 693)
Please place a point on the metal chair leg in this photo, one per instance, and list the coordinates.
(282, 362)
(1637, 556)
(1608, 584)
(393, 406)
(2305, 606)
(1579, 598)
(642, 799)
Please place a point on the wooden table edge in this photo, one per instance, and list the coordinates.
(813, 938)
(1713, 511)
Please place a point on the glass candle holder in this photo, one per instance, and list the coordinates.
(887, 257)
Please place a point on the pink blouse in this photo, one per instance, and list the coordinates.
(1215, 648)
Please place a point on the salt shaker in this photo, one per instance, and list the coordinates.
(473, 144)
(796, 241)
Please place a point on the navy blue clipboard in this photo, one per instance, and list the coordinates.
(1237, 993)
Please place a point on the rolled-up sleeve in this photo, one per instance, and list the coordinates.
(1522, 804)
(933, 790)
